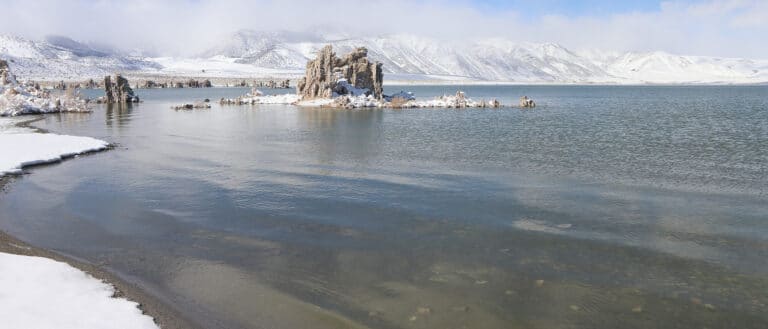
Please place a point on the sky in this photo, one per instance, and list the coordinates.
(727, 28)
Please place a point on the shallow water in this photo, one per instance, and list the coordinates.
(605, 207)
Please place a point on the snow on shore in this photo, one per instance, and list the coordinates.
(18, 99)
(41, 293)
(459, 100)
(257, 97)
(22, 147)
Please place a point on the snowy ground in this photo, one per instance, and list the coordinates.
(22, 147)
(217, 67)
(41, 293)
(257, 97)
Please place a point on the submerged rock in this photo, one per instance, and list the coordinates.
(354, 75)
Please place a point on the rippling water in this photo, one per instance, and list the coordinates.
(605, 207)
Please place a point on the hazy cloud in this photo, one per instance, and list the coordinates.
(733, 28)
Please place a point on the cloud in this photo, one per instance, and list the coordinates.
(733, 28)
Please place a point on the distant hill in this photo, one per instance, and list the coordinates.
(406, 57)
(59, 57)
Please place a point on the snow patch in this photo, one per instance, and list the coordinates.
(347, 88)
(41, 293)
(18, 99)
(21, 147)
(257, 97)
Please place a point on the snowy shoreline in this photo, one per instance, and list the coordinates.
(24, 147)
(43, 289)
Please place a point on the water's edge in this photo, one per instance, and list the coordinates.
(163, 312)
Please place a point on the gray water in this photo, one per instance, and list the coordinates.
(604, 207)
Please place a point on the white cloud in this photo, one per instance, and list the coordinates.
(733, 28)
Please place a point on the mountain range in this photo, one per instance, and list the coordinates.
(258, 54)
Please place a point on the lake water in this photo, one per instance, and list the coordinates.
(604, 207)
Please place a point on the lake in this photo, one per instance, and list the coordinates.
(604, 207)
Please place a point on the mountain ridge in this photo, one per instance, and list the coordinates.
(248, 53)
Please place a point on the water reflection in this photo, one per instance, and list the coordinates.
(118, 115)
(340, 137)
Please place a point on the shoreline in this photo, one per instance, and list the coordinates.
(233, 81)
(163, 313)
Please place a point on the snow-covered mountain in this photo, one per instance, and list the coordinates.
(60, 57)
(253, 54)
(492, 60)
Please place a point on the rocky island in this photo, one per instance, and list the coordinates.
(352, 81)
(118, 91)
(354, 75)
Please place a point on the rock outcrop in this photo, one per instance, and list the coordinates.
(328, 76)
(118, 91)
(527, 102)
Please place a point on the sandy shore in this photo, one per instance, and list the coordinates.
(164, 315)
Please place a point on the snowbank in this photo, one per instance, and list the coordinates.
(400, 100)
(18, 99)
(41, 293)
(257, 97)
(451, 101)
(317, 102)
(217, 67)
(357, 98)
(22, 147)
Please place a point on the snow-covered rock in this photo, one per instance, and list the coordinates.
(18, 99)
(257, 97)
(458, 100)
(403, 95)
(353, 74)
(40, 293)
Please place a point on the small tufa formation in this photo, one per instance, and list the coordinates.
(205, 104)
(118, 91)
(527, 102)
(6, 78)
(272, 84)
(192, 83)
(357, 74)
